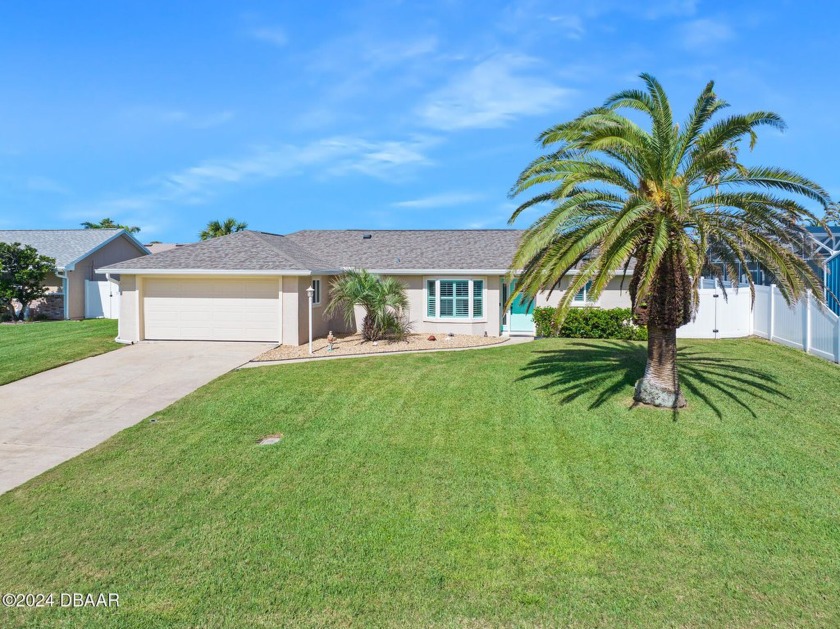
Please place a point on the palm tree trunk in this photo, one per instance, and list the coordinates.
(369, 331)
(660, 386)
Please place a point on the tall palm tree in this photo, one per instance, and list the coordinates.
(383, 300)
(668, 200)
(109, 223)
(215, 229)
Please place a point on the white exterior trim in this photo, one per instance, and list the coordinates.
(242, 272)
(448, 273)
(320, 302)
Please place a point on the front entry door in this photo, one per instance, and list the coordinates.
(520, 318)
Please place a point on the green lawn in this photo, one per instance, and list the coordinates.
(35, 347)
(509, 486)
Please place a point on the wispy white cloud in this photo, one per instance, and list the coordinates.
(159, 116)
(704, 34)
(274, 35)
(445, 199)
(492, 94)
(569, 24)
(337, 156)
(199, 184)
(572, 18)
(364, 54)
(668, 8)
(45, 184)
(198, 121)
(494, 219)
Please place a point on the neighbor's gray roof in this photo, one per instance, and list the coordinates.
(158, 247)
(241, 251)
(64, 245)
(461, 249)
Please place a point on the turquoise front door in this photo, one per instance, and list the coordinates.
(519, 319)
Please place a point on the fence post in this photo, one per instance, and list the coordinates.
(806, 341)
(772, 312)
(837, 343)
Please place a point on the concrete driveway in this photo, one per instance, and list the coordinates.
(52, 416)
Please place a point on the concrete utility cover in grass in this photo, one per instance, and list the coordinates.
(270, 440)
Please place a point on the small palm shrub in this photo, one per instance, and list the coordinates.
(384, 301)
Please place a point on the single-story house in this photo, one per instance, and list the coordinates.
(251, 286)
(77, 254)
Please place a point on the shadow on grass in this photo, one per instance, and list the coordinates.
(607, 368)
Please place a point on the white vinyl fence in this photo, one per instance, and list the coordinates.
(806, 325)
(719, 318)
(102, 300)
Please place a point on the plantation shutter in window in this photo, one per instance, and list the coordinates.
(431, 295)
(447, 299)
(462, 299)
(582, 293)
(478, 298)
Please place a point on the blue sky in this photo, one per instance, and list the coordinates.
(293, 115)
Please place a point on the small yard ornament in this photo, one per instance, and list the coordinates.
(330, 341)
(431, 338)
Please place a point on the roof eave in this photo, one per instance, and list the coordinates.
(236, 272)
(70, 266)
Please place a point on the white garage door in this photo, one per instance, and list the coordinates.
(212, 309)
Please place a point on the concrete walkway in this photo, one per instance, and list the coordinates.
(52, 416)
(513, 340)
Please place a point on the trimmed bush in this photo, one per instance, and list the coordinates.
(590, 323)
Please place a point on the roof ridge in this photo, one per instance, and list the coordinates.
(466, 229)
(284, 255)
(69, 229)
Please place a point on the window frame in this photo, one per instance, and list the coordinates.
(470, 318)
(316, 296)
(585, 302)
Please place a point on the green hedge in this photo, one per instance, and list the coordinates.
(590, 323)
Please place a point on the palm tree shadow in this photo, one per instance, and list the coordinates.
(609, 368)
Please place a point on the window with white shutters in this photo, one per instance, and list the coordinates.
(431, 298)
(455, 299)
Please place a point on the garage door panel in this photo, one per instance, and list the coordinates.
(209, 309)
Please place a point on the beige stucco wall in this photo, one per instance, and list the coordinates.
(53, 283)
(294, 307)
(612, 297)
(415, 291)
(115, 251)
(290, 311)
(127, 330)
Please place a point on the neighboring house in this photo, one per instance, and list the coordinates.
(827, 262)
(251, 286)
(820, 248)
(160, 247)
(77, 253)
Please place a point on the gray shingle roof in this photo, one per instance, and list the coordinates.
(478, 249)
(334, 250)
(241, 251)
(65, 245)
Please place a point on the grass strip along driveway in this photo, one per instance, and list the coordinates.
(510, 486)
(30, 348)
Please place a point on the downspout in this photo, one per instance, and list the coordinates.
(117, 282)
(63, 276)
